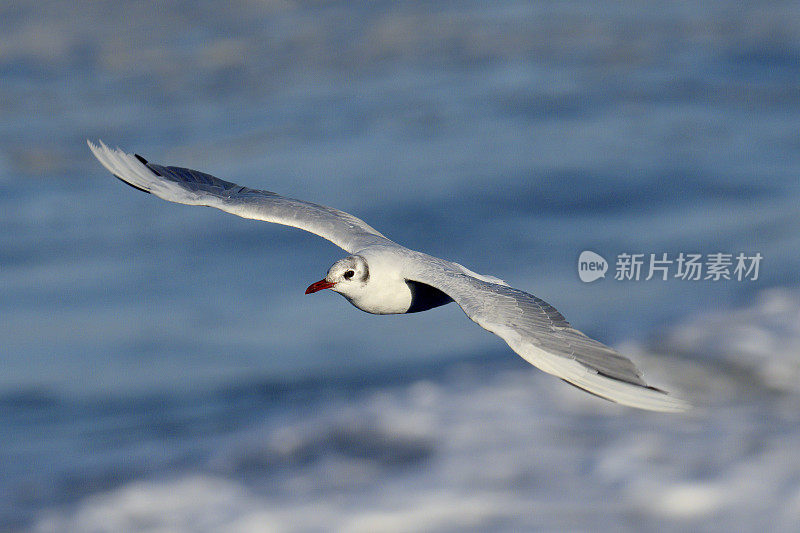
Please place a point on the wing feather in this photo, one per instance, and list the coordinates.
(542, 336)
(185, 186)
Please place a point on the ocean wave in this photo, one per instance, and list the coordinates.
(475, 450)
(760, 343)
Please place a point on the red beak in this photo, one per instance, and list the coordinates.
(318, 286)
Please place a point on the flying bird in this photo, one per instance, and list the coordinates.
(382, 277)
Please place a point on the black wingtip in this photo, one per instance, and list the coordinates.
(144, 161)
(131, 184)
(590, 392)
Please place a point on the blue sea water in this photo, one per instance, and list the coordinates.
(162, 369)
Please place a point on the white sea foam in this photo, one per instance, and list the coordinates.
(761, 341)
(507, 451)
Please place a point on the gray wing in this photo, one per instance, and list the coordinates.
(191, 187)
(540, 334)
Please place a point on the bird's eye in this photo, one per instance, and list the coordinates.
(349, 274)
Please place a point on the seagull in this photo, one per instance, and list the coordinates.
(382, 277)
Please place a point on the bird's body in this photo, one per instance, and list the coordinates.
(383, 290)
(382, 277)
(391, 287)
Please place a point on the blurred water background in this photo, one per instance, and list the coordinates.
(160, 368)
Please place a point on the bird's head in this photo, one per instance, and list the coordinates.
(347, 276)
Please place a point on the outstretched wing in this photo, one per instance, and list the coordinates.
(191, 187)
(540, 334)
